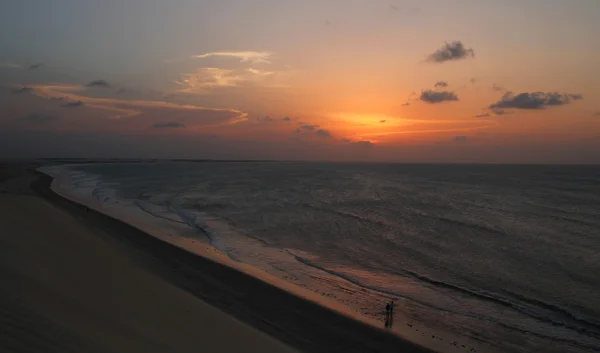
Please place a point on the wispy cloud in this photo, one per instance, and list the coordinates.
(360, 143)
(323, 133)
(168, 125)
(34, 66)
(451, 51)
(20, 90)
(460, 139)
(73, 104)
(498, 88)
(535, 100)
(433, 97)
(256, 57)
(441, 84)
(98, 83)
(485, 115)
(9, 65)
(129, 108)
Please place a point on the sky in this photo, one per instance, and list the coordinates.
(453, 81)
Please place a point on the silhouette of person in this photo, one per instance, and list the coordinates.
(387, 314)
(391, 314)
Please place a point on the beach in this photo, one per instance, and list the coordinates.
(76, 280)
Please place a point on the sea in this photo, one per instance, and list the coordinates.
(486, 258)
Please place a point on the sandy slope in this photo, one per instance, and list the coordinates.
(64, 289)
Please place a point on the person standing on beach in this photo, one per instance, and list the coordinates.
(391, 315)
(387, 315)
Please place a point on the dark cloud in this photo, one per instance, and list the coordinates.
(500, 112)
(73, 104)
(323, 133)
(167, 125)
(309, 127)
(382, 121)
(451, 51)
(460, 138)
(266, 119)
(359, 144)
(363, 144)
(122, 90)
(34, 66)
(22, 90)
(98, 83)
(473, 80)
(535, 100)
(441, 84)
(38, 118)
(405, 104)
(433, 97)
(498, 88)
(486, 115)
(597, 114)
(287, 118)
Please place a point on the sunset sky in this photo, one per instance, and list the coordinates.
(499, 81)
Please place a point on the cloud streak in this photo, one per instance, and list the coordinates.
(74, 104)
(98, 83)
(451, 51)
(441, 84)
(256, 57)
(168, 125)
(22, 90)
(128, 108)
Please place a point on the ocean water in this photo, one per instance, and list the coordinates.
(501, 258)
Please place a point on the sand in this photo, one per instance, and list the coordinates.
(75, 280)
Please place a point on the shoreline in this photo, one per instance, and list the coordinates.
(293, 320)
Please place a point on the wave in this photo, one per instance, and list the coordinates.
(480, 295)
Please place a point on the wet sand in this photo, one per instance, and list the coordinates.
(80, 281)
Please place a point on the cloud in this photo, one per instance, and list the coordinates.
(359, 144)
(405, 104)
(266, 119)
(441, 84)
(382, 121)
(498, 88)
(287, 118)
(73, 104)
(206, 78)
(34, 67)
(309, 127)
(23, 89)
(473, 80)
(323, 133)
(535, 100)
(256, 57)
(98, 83)
(486, 115)
(461, 138)
(434, 97)
(38, 118)
(597, 114)
(168, 125)
(500, 112)
(122, 108)
(8, 65)
(451, 51)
